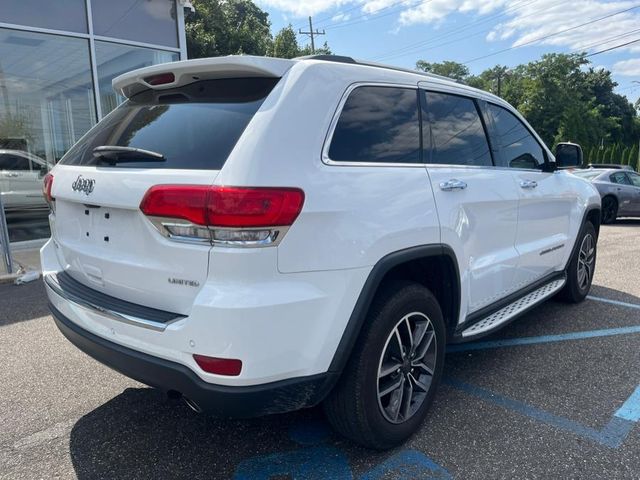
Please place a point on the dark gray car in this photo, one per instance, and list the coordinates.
(619, 190)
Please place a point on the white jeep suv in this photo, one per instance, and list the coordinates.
(261, 235)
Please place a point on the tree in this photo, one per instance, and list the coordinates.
(624, 156)
(285, 44)
(227, 27)
(453, 70)
(633, 158)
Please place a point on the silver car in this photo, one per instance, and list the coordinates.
(619, 190)
(21, 175)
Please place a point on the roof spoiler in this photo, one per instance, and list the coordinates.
(177, 74)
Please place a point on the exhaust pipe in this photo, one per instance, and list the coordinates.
(192, 405)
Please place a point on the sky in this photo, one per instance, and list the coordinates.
(478, 33)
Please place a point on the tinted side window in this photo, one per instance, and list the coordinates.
(620, 178)
(517, 147)
(378, 124)
(457, 133)
(635, 179)
(13, 162)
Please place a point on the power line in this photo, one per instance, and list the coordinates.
(417, 45)
(367, 16)
(603, 42)
(551, 35)
(614, 48)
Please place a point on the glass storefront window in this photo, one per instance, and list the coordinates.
(70, 15)
(46, 94)
(114, 59)
(149, 21)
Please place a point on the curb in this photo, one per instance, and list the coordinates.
(8, 278)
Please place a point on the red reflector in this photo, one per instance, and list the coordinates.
(236, 207)
(47, 183)
(219, 366)
(160, 79)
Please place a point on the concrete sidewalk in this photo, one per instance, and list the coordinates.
(26, 258)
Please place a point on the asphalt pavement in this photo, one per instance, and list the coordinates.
(554, 395)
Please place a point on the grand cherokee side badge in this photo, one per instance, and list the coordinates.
(182, 281)
(83, 185)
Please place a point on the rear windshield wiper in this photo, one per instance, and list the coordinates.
(115, 154)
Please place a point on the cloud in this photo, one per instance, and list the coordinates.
(628, 68)
(341, 17)
(521, 21)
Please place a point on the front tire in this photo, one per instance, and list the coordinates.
(390, 380)
(582, 266)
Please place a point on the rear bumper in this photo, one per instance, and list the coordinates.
(245, 401)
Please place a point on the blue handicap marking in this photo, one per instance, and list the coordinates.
(612, 435)
(316, 463)
(631, 408)
(317, 460)
(408, 465)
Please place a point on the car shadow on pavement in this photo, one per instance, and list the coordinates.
(22, 303)
(625, 222)
(141, 434)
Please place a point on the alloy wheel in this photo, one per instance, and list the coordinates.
(406, 367)
(586, 261)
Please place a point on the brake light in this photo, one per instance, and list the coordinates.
(47, 184)
(246, 216)
(160, 79)
(219, 366)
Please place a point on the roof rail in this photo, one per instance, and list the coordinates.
(345, 59)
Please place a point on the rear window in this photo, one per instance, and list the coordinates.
(194, 127)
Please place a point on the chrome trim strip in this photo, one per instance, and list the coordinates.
(51, 281)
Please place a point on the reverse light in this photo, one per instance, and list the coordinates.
(220, 366)
(232, 216)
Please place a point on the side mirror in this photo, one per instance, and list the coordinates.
(568, 155)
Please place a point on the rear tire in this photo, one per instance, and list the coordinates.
(609, 210)
(385, 391)
(582, 266)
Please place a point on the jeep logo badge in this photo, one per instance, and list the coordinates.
(83, 185)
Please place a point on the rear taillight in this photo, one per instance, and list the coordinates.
(234, 216)
(47, 184)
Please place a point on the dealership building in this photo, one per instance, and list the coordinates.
(58, 57)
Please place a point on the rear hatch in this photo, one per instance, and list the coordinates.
(187, 132)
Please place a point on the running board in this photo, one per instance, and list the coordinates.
(507, 313)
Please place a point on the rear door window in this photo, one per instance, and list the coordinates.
(456, 131)
(378, 125)
(194, 127)
(620, 178)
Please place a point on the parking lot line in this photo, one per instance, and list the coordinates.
(614, 302)
(612, 435)
(511, 342)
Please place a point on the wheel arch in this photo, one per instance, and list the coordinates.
(442, 277)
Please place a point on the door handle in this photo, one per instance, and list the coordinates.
(452, 184)
(10, 174)
(528, 184)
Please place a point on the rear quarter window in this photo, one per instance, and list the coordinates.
(194, 127)
(378, 125)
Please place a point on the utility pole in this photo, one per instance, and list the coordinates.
(311, 33)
